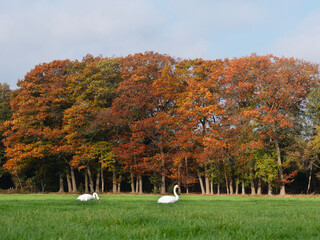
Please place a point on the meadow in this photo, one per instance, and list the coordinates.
(53, 216)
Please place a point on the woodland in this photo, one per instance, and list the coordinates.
(144, 122)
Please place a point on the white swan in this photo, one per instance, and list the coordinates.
(87, 197)
(170, 199)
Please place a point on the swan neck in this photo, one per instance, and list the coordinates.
(175, 193)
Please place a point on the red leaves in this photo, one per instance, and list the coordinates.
(158, 113)
(288, 178)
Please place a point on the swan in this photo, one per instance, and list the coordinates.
(170, 199)
(87, 197)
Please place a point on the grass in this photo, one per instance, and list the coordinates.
(52, 216)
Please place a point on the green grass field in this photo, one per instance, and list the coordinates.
(52, 216)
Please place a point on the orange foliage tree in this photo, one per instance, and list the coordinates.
(149, 115)
(196, 116)
(137, 109)
(35, 131)
(91, 88)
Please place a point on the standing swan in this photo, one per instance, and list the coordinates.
(170, 199)
(87, 197)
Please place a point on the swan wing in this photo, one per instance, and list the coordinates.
(85, 197)
(167, 199)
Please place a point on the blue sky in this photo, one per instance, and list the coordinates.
(37, 31)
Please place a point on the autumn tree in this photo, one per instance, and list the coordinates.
(91, 89)
(197, 113)
(274, 94)
(137, 108)
(284, 84)
(306, 150)
(250, 121)
(242, 116)
(35, 130)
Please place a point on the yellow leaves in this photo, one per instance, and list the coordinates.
(250, 114)
(107, 160)
(214, 143)
(99, 151)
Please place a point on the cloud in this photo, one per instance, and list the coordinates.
(200, 28)
(32, 32)
(42, 31)
(303, 41)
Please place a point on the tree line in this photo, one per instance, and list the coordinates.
(146, 121)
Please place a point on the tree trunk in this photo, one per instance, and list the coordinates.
(237, 187)
(73, 180)
(211, 186)
(309, 179)
(201, 183)
(243, 190)
(86, 184)
(218, 189)
(42, 185)
(207, 185)
(253, 190)
(98, 182)
(137, 185)
(17, 181)
(282, 186)
(227, 185)
(163, 177)
(69, 181)
(114, 181)
(259, 187)
(163, 184)
(206, 180)
(231, 186)
(61, 190)
(179, 180)
(269, 188)
(90, 179)
(119, 184)
(187, 174)
(132, 183)
(102, 181)
(140, 184)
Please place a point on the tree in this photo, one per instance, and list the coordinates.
(267, 169)
(306, 152)
(272, 92)
(283, 87)
(36, 126)
(197, 112)
(241, 121)
(91, 89)
(5, 115)
(137, 109)
(242, 116)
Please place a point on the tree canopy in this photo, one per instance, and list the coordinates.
(147, 121)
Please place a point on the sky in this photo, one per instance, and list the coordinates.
(37, 31)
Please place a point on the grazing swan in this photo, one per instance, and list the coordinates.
(87, 197)
(170, 199)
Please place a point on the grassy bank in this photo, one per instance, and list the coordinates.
(53, 216)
